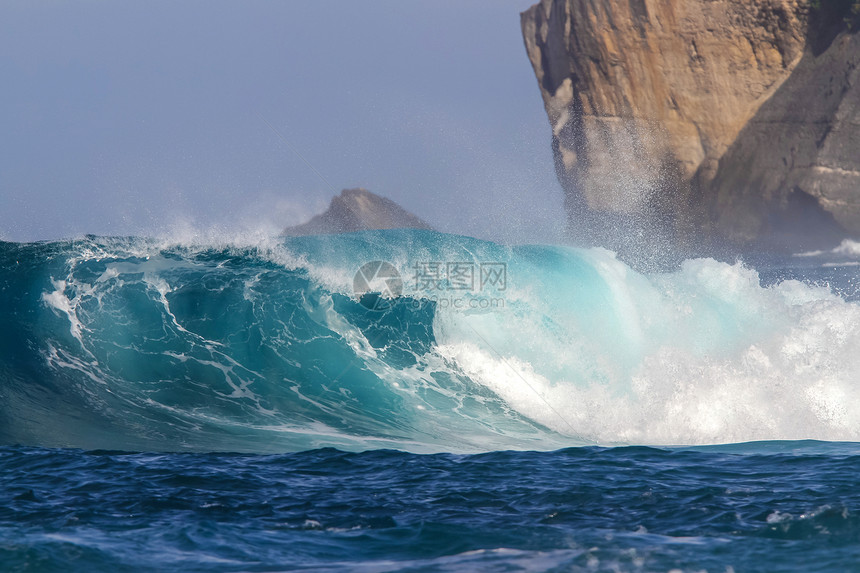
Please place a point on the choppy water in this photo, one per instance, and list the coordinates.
(764, 507)
(268, 348)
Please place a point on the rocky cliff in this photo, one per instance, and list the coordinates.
(358, 210)
(727, 120)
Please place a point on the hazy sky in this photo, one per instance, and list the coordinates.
(140, 118)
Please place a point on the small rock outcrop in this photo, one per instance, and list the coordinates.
(358, 210)
(734, 121)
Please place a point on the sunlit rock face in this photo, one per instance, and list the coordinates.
(358, 210)
(731, 121)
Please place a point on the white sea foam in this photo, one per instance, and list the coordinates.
(847, 248)
(704, 355)
(60, 301)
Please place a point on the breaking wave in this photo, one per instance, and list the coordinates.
(143, 344)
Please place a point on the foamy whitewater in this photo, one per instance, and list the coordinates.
(145, 344)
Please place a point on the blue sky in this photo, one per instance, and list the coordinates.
(139, 118)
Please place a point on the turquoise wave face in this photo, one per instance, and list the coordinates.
(464, 345)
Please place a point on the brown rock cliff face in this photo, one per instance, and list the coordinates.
(710, 114)
(795, 166)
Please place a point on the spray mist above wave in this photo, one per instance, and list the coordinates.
(267, 346)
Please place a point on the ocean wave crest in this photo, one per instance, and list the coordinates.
(130, 343)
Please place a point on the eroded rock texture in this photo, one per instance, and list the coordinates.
(724, 120)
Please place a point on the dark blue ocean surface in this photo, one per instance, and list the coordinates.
(762, 507)
(290, 412)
